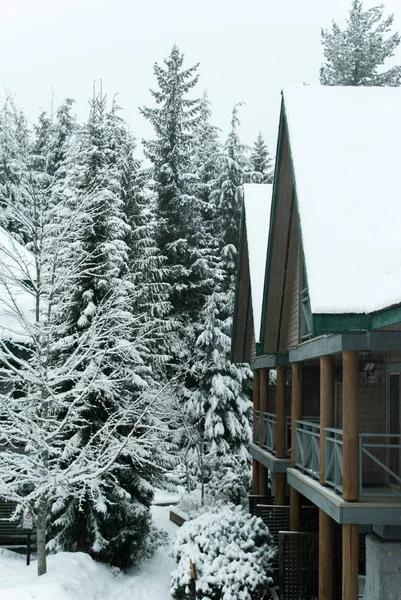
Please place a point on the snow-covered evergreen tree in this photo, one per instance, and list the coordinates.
(356, 55)
(175, 119)
(73, 436)
(219, 407)
(14, 171)
(114, 529)
(232, 165)
(261, 162)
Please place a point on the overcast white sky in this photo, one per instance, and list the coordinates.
(247, 49)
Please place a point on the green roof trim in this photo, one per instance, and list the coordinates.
(323, 324)
(384, 318)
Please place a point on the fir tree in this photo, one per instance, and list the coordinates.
(14, 171)
(261, 162)
(232, 165)
(174, 120)
(355, 55)
(114, 529)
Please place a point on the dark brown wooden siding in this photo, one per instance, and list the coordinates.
(293, 309)
(279, 259)
(243, 329)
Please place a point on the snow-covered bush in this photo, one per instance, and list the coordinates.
(230, 552)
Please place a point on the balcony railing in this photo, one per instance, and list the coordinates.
(333, 471)
(308, 447)
(269, 432)
(379, 465)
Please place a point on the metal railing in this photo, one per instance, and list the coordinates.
(379, 465)
(269, 431)
(256, 426)
(308, 447)
(333, 470)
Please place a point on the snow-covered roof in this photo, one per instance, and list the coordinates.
(346, 150)
(17, 304)
(257, 202)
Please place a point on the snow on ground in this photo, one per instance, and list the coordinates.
(164, 497)
(75, 576)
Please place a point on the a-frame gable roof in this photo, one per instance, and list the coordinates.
(338, 157)
(251, 270)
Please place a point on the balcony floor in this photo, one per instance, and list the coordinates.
(268, 459)
(367, 511)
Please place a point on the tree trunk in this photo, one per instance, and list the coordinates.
(41, 536)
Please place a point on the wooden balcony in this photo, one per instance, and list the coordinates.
(379, 464)
(263, 449)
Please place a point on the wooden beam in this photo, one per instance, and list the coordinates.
(279, 488)
(264, 401)
(256, 399)
(296, 404)
(326, 406)
(350, 562)
(280, 411)
(350, 425)
(326, 526)
(295, 510)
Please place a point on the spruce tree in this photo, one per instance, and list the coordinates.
(354, 56)
(232, 165)
(14, 172)
(174, 120)
(261, 162)
(113, 528)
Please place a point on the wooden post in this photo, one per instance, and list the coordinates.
(264, 401)
(296, 415)
(262, 480)
(280, 411)
(255, 477)
(295, 510)
(350, 562)
(256, 399)
(296, 406)
(279, 489)
(279, 478)
(325, 556)
(326, 406)
(350, 425)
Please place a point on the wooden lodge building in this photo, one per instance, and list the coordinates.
(327, 356)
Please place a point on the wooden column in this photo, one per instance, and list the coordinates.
(264, 400)
(279, 490)
(280, 412)
(325, 556)
(255, 477)
(256, 399)
(256, 406)
(296, 406)
(280, 478)
(326, 406)
(350, 425)
(264, 403)
(350, 562)
(296, 415)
